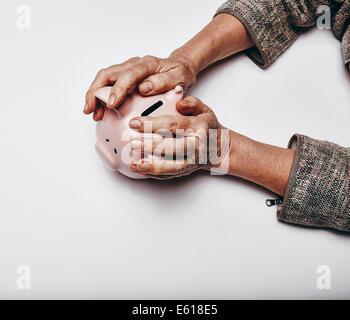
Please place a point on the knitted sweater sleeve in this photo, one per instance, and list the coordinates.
(274, 25)
(318, 191)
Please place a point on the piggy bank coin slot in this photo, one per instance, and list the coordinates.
(152, 108)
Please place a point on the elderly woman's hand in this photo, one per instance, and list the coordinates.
(178, 145)
(150, 74)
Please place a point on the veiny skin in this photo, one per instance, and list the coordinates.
(263, 164)
(188, 141)
(150, 74)
(225, 35)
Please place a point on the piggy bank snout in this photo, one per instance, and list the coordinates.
(108, 155)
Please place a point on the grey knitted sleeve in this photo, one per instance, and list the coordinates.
(346, 46)
(274, 25)
(341, 27)
(268, 25)
(318, 191)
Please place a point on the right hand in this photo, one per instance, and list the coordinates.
(150, 74)
(198, 141)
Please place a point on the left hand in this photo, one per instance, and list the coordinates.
(178, 145)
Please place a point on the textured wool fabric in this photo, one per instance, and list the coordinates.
(318, 191)
(346, 49)
(274, 25)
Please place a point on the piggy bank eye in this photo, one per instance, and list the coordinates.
(107, 140)
(152, 108)
(115, 150)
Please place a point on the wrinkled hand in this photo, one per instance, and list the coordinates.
(178, 145)
(150, 74)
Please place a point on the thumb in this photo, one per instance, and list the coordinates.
(191, 106)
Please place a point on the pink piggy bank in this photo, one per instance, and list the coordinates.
(114, 133)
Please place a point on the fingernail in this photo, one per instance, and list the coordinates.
(189, 110)
(136, 144)
(146, 86)
(86, 106)
(111, 100)
(178, 89)
(134, 124)
(144, 166)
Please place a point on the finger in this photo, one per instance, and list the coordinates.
(145, 143)
(104, 77)
(157, 166)
(166, 176)
(167, 147)
(98, 113)
(172, 124)
(171, 176)
(160, 82)
(130, 77)
(192, 106)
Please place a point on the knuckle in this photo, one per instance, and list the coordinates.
(204, 127)
(133, 59)
(114, 90)
(190, 131)
(150, 59)
(185, 122)
(127, 74)
(173, 125)
(202, 132)
(158, 79)
(201, 126)
(101, 73)
(184, 71)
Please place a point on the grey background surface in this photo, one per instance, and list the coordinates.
(87, 233)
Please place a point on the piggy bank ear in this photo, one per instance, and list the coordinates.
(177, 92)
(102, 94)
